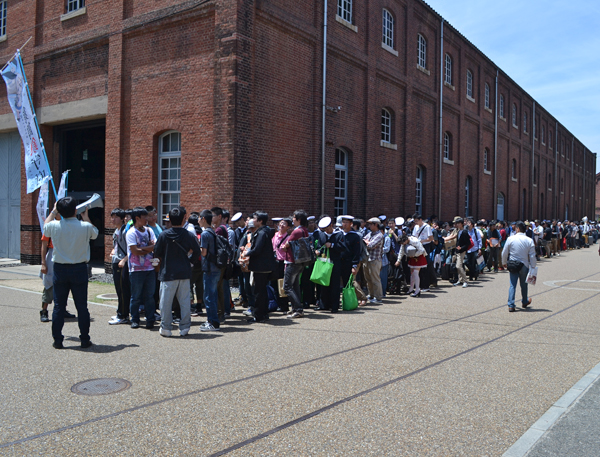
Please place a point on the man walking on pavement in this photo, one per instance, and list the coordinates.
(519, 255)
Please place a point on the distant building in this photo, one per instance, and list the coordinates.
(219, 102)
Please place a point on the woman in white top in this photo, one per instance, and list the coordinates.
(412, 247)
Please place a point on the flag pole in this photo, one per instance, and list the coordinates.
(6, 64)
(36, 121)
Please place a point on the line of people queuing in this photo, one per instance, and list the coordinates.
(187, 266)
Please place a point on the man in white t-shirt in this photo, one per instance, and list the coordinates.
(140, 244)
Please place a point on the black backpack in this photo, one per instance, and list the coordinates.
(223, 256)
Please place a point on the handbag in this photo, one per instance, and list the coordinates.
(411, 251)
(349, 299)
(280, 287)
(302, 250)
(322, 269)
(514, 266)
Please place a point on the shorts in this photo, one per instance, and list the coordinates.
(48, 295)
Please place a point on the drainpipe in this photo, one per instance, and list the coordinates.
(495, 196)
(533, 157)
(324, 107)
(572, 165)
(556, 180)
(441, 117)
(583, 187)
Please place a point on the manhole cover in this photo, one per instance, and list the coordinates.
(101, 386)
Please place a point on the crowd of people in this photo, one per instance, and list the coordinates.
(188, 266)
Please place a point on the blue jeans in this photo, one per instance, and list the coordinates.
(383, 274)
(73, 278)
(514, 277)
(211, 297)
(142, 293)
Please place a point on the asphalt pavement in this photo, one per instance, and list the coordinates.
(449, 373)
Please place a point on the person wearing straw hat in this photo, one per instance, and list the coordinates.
(462, 245)
(374, 241)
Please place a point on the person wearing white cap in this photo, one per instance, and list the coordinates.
(351, 262)
(334, 244)
(374, 241)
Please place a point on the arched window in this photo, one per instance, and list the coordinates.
(514, 115)
(468, 191)
(169, 159)
(448, 69)
(419, 190)
(386, 126)
(341, 182)
(344, 10)
(486, 155)
(500, 207)
(388, 29)
(502, 106)
(447, 146)
(487, 96)
(525, 122)
(514, 169)
(543, 134)
(469, 84)
(422, 52)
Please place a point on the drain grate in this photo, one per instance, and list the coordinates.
(102, 386)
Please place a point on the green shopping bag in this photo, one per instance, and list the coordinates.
(322, 269)
(349, 299)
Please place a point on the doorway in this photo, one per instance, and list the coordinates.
(82, 148)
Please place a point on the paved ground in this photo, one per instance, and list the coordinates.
(450, 373)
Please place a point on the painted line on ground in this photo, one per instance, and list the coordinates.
(543, 425)
(70, 299)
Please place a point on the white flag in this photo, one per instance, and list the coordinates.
(42, 204)
(62, 189)
(36, 165)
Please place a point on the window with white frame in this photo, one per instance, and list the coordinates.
(388, 29)
(3, 8)
(514, 115)
(487, 96)
(525, 122)
(486, 154)
(344, 10)
(341, 182)
(448, 69)
(447, 146)
(514, 169)
(73, 5)
(169, 158)
(386, 126)
(469, 84)
(468, 190)
(419, 190)
(502, 106)
(422, 52)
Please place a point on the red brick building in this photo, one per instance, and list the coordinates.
(209, 102)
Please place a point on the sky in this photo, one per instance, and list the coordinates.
(550, 48)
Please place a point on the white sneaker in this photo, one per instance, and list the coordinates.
(119, 321)
(164, 332)
(184, 332)
(464, 285)
(248, 313)
(424, 290)
(208, 327)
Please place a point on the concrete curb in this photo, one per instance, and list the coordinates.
(524, 444)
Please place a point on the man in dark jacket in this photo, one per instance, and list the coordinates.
(334, 243)
(261, 264)
(175, 247)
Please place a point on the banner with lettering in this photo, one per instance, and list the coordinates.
(42, 205)
(36, 164)
(62, 189)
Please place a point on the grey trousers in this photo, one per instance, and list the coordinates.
(168, 290)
